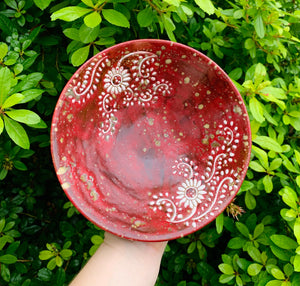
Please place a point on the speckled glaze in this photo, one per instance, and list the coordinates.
(150, 140)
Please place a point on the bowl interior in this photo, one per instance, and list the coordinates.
(150, 140)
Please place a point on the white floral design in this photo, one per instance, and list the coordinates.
(117, 80)
(201, 197)
(190, 193)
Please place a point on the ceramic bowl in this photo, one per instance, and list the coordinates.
(150, 140)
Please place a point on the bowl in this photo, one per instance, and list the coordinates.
(150, 140)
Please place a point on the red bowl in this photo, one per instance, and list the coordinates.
(150, 140)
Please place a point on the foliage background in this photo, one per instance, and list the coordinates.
(43, 239)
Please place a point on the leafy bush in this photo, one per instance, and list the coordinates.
(45, 241)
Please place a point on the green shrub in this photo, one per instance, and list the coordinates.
(43, 238)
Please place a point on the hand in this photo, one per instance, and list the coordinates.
(123, 262)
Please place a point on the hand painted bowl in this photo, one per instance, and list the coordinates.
(150, 140)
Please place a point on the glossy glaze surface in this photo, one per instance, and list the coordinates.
(150, 140)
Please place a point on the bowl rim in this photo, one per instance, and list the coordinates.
(172, 235)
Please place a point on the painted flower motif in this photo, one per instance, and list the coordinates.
(191, 193)
(117, 80)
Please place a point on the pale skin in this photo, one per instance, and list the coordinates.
(123, 262)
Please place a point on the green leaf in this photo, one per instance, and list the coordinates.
(20, 166)
(260, 73)
(294, 113)
(297, 229)
(259, 229)
(92, 20)
(12, 4)
(268, 143)
(262, 156)
(226, 268)
(29, 62)
(5, 84)
(284, 241)
(73, 46)
(169, 26)
(3, 173)
(88, 3)
(2, 224)
(42, 4)
(243, 229)
(256, 109)
(51, 264)
(217, 51)
(249, 44)
(3, 240)
(145, 17)
(269, 118)
(254, 254)
(239, 281)
(296, 263)
(259, 25)
(116, 18)
(298, 180)
(220, 223)
(288, 269)
(274, 283)
(46, 254)
(191, 247)
(16, 132)
(254, 165)
(288, 164)
(278, 93)
(88, 35)
(295, 122)
(1, 125)
(66, 253)
(12, 58)
(250, 201)
(40, 125)
(80, 56)
(254, 269)
(206, 5)
(70, 13)
(225, 278)
(181, 13)
(6, 25)
(24, 116)
(93, 249)
(31, 94)
(277, 273)
(280, 253)
(67, 244)
(268, 183)
(44, 274)
(13, 100)
(60, 277)
(3, 50)
(105, 41)
(8, 259)
(28, 82)
(175, 3)
(236, 243)
(96, 239)
(236, 74)
(58, 261)
(275, 164)
(72, 34)
(5, 273)
(297, 155)
(9, 226)
(289, 198)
